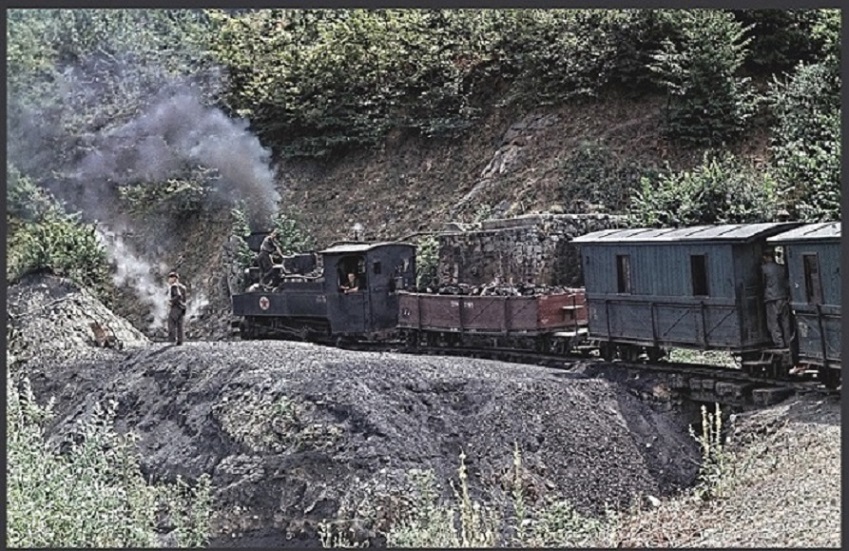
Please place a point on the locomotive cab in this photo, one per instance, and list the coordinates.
(379, 270)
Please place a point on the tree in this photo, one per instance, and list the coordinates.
(708, 103)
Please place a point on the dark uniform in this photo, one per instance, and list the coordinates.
(263, 259)
(777, 301)
(177, 313)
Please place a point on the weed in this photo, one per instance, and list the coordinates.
(714, 469)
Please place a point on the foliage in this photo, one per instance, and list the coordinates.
(177, 196)
(93, 494)
(427, 260)
(79, 71)
(431, 521)
(708, 103)
(722, 190)
(638, 34)
(482, 213)
(317, 81)
(42, 236)
(291, 236)
(780, 38)
(554, 523)
(552, 56)
(24, 200)
(465, 523)
(341, 78)
(806, 142)
(593, 174)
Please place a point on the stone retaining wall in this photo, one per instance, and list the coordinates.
(533, 248)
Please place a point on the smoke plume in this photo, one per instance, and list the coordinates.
(178, 133)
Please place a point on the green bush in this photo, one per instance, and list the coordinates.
(806, 141)
(427, 259)
(42, 236)
(93, 495)
(708, 104)
(780, 38)
(24, 200)
(722, 190)
(291, 236)
(190, 193)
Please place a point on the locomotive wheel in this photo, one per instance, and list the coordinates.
(607, 351)
(246, 331)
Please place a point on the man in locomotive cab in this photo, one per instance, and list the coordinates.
(777, 300)
(266, 266)
(352, 285)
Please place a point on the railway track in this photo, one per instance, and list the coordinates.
(690, 376)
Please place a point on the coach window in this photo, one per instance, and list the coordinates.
(623, 273)
(698, 273)
(813, 285)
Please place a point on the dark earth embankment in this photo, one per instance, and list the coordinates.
(293, 433)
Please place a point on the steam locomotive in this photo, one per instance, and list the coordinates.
(645, 290)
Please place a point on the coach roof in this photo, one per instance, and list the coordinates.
(823, 231)
(724, 232)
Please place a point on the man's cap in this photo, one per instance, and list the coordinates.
(173, 274)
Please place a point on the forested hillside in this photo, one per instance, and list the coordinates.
(161, 110)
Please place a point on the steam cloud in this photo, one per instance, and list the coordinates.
(146, 279)
(177, 133)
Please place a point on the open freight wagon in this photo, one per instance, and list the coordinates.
(545, 323)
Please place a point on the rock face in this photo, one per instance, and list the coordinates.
(294, 433)
(533, 248)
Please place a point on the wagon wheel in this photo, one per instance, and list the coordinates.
(411, 339)
(655, 353)
(543, 344)
(629, 353)
(830, 377)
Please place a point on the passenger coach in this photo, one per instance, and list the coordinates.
(695, 287)
(812, 255)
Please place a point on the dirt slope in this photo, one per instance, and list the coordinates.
(511, 162)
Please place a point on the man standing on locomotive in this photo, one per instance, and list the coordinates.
(777, 301)
(268, 246)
